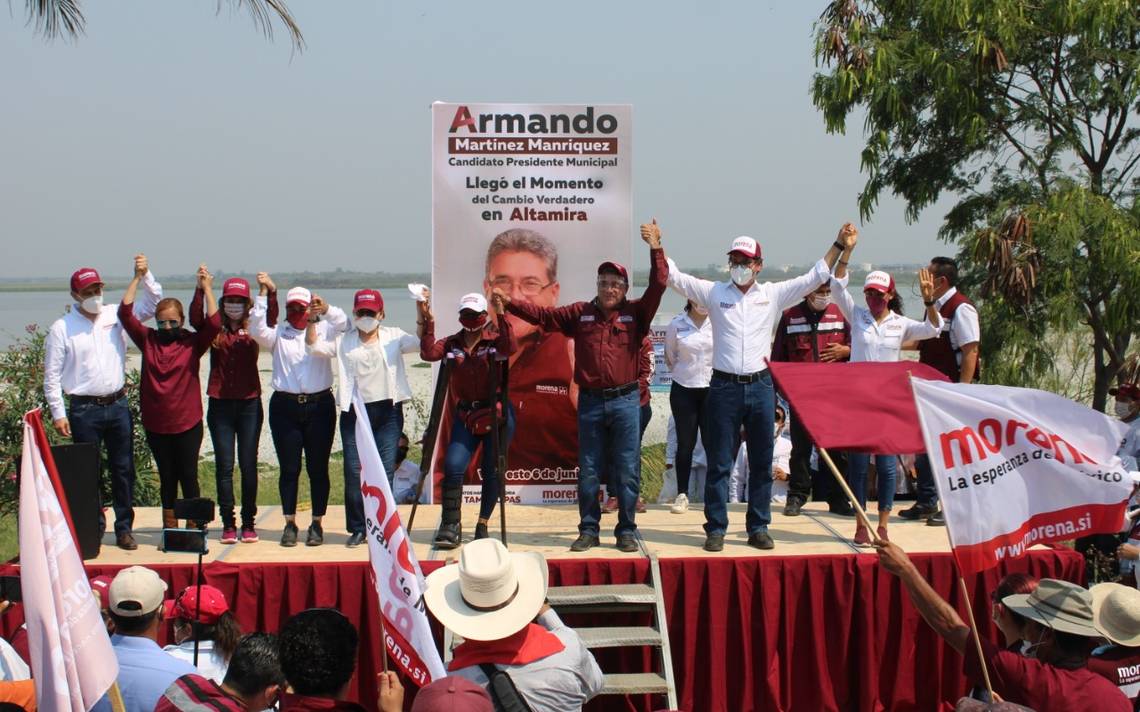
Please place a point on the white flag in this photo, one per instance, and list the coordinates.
(73, 663)
(395, 571)
(1017, 467)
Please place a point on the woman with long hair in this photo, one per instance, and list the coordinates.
(234, 414)
(170, 394)
(688, 354)
(200, 613)
(878, 331)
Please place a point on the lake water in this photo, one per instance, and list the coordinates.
(19, 309)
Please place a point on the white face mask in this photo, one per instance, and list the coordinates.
(367, 324)
(702, 311)
(1124, 408)
(776, 430)
(92, 305)
(741, 274)
(234, 311)
(819, 302)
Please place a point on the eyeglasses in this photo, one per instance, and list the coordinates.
(168, 323)
(611, 284)
(529, 287)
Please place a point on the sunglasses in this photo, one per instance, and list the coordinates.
(168, 323)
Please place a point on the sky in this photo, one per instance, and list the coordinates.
(172, 130)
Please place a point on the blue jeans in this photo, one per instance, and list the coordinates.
(645, 414)
(886, 466)
(303, 428)
(608, 443)
(387, 421)
(110, 425)
(731, 405)
(927, 490)
(461, 447)
(235, 421)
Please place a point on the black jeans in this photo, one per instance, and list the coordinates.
(688, 406)
(110, 425)
(176, 457)
(303, 428)
(235, 421)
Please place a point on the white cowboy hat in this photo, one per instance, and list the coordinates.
(1116, 613)
(491, 594)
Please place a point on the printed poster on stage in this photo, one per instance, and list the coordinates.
(531, 198)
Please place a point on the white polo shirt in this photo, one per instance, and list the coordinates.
(295, 370)
(878, 341)
(688, 348)
(743, 322)
(964, 328)
(87, 358)
(377, 368)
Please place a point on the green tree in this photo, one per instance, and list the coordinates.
(64, 18)
(1026, 112)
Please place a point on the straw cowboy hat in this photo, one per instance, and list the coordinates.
(491, 594)
(1059, 605)
(1116, 613)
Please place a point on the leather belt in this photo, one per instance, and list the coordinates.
(614, 392)
(738, 377)
(304, 398)
(106, 400)
(473, 405)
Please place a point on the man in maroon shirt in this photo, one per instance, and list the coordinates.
(1053, 676)
(813, 331)
(608, 333)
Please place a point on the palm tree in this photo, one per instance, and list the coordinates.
(64, 18)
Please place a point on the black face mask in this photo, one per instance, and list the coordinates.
(401, 454)
(169, 336)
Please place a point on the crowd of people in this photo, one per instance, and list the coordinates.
(722, 397)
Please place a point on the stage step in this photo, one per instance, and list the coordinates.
(638, 683)
(622, 595)
(619, 637)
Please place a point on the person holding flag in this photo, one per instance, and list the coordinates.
(878, 332)
(744, 313)
(475, 350)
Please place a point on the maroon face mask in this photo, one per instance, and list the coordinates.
(297, 319)
(877, 303)
(473, 322)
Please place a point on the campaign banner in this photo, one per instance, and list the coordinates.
(395, 572)
(662, 374)
(530, 198)
(1017, 467)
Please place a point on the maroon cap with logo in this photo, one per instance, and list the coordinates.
(207, 608)
(369, 299)
(83, 278)
(235, 287)
(452, 694)
(614, 267)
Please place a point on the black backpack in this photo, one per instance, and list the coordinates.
(503, 691)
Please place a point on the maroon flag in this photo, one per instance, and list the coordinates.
(864, 407)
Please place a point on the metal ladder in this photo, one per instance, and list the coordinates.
(622, 598)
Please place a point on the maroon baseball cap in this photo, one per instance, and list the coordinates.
(614, 267)
(369, 299)
(186, 605)
(452, 694)
(235, 287)
(83, 278)
(100, 585)
(1128, 390)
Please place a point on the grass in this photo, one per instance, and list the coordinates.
(652, 467)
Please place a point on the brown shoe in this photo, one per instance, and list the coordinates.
(610, 506)
(640, 507)
(168, 520)
(126, 541)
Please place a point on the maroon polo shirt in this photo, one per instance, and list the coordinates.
(170, 396)
(1120, 666)
(233, 355)
(803, 333)
(1040, 686)
(303, 703)
(470, 378)
(606, 346)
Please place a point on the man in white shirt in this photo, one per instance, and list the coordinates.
(302, 411)
(744, 314)
(407, 477)
(954, 353)
(370, 357)
(85, 358)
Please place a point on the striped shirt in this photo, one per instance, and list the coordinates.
(194, 693)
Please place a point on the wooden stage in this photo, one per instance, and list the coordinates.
(548, 529)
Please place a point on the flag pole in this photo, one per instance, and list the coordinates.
(859, 512)
(977, 637)
(115, 696)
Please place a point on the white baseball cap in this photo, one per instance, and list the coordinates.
(879, 281)
(135, 591)
(474, 301)
(299, 295)
(746, 246)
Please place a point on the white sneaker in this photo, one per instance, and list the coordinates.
(680, 504)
